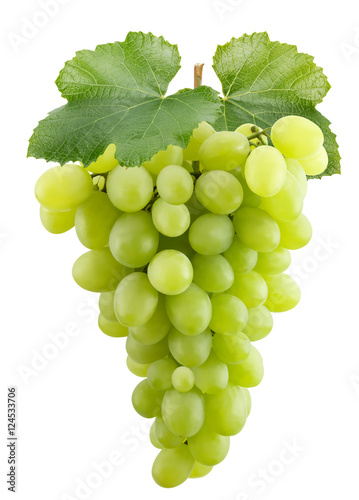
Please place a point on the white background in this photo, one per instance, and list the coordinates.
(74, 411)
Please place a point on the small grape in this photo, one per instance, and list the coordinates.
(219, 191)
(315, 164)
(129, 189)
(265, 171)
(183, 379)
(175, 185)
(211, 234)
(170, 220)
(224, 151)
(170, 272)
(57, 222)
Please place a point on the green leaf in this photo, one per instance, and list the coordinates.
(116, 94)
(263, 81)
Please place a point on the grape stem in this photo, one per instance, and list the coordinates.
(258, 135)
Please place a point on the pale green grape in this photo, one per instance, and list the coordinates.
(256, 229)
(183, 379)
(199, 135)
(138, 369)
(187, 350)
(241, 258)
(224, 151)
(274, 262)
(175, 185)
(296, 169)
(283, 293)
(145, 354)
(135, 300)
(196, 209)
(213, 273)
(146, 401)
(112, 328)
(211, 234)
(315, 164)
(219, 191)
(164, 436)
(212, 375)
(248, 400)
(170, 220)
(156, 328)
(134, 239)
(159, 374)
(287, 204)
(250, 372)
(250, 199)
(200, 470)
(295, 234)
(106, 306)
(94, 220)
(226, 411)
(129, 189)
(190, 311)
(231, 348)
(170, 272)
(104, 162)
(153, 438)
(181, 243)
(265, 171)
(208, 447)
(172, 467)
(250, 288)
(296, 136)
(249, 129)
(57, 222)
(98, 271)
(173, 155)
(183, 412)
(259, 324)
(229, 314)
(63, 187)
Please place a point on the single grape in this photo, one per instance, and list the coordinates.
(129, 189)
(213, 273)
(256, 229)
(283, 293)
(274, 262)
(170, 272)
(241, 258)
(172, 467)
(146, 401)
(250, 372)
(106, 305)
(212, 375)
(159, 374)
(229, 314)
(250, 288)
(156, 328)
(200, 470)
(315, 164)
(165, 437)
(187, 350)
(104, 162)
(146, 354)
(138, 369)
(219, 191)
(173, 155)
(226, 411)
(265, 171)
(208, 447)
(183, 412)
(175, 185)
(250, 199)
(259, 324)
(224, 151)
(153, 438)
(211, 234)
(199, 135)
(183, 379)
(231, 348)
(57, 222)
(296, 169)
(170, 220)
(249, 129)
(295, 234)
(287, 204)
(112, 328)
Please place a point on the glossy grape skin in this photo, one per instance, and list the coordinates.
(250, 288)
(183, 412)
(146, 401)
(146, 354)
(250, 372)
(129, 189)
(287, 204)
(283, 293)
(170, 220)
(224, 151)
(208, 447)
(183, 379)
(211, 234)
(295, 234)
(265, 171)
(138, 369)
(212, 375)
(259, 324)
(174, 185)
(190, 350)
(64, 187)
(229, 314)
(213, 273)
(172, 467)
(134, 239)
(219, 191)
(231, 348)
(94, 220)
(199, 135)
(256, 229)
(104, 162)
(170, 272)
(165, 437)
(274, 262)
(226, 411)
(57, 222)
(112, 328)
(296, 169)
(241, 258)
(156, 328)
(315, 164)
(159, 374)
(200, 470)
(173, 155)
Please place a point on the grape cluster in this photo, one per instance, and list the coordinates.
(188, 253)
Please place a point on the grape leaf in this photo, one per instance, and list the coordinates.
(116, 94)
(263, 81)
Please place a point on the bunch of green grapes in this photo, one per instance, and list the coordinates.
(189, 253)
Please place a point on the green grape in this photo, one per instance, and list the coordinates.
(283, 293)
(250, 372)
(164, 436)
(187, 350)
(248, 398)
(229, 314)
(170, 220)
(224, 151)
(134, 239)
(104, 162)
(213, 273)
(63, 188)
(135, 300)
(231, 348)
(274, 262)
(94, 220)
(173, 155)
(296, 169)
(112, 328)
(196, 209)
(175, 185)
(138, 369)
(159, 374)
(98, 271)
(129, 189)
(106, 305)
(287, 204)
(211, 234)
(295, 234)
(226, 411)
(199, 135)
(170, 272)
(172, 467)
(200, 470)
(146, 354)
(250, 288)
(315, 164)
(187, 165)
(183, 379)
(256, 229)
(146, 401)
(250, 199)
(57, 222)
(296, 136)
(259, 324)
(212, 375)
(265, 171)
(183, 412)
(208, 447)
(153, 438)
(190, 311)
(241, 258)
(180, 243)
(156, 328)
(219, 191)
(249, 129)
